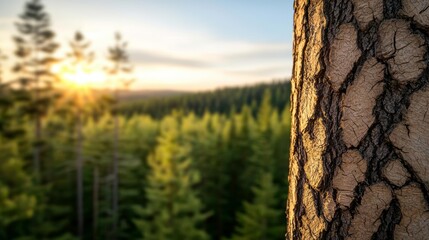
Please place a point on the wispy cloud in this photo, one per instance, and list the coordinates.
(213, 64)
(263, 52)
(148, 58)
(274, 71)
(215, 55)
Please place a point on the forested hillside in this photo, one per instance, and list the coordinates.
(223, 101)
(135, 95)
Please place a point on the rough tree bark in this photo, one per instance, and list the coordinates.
(359, 166)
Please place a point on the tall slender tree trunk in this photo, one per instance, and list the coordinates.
(359, 166)
(37, 147)
(108, 198)
(38, 117)
(115, 171)
(79, 178)
(37, 132)
(95, 202)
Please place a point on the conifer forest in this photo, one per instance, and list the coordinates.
(85, 163)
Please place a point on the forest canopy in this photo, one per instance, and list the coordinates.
(81, 163)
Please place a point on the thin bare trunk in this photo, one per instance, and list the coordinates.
(108, 198)
(79, 179)
(37, 132)
(95, 203)
(360, 135)
(38, 117)
(115, 171)
(37, 147)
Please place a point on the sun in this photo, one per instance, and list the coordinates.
(79, 75)
(78, 82)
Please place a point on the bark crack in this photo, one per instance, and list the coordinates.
(374, 145)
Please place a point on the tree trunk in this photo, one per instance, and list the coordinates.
(37, 131)
(95, 203)
(115, 196)
(37, 145)
(359, 166)
(79, 175)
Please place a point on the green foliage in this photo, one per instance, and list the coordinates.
(265, 113)
(173, 210)
(16, 199)
(222, 101)
(261, 219)
(216, 160)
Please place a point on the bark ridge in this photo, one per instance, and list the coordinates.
(359, 166)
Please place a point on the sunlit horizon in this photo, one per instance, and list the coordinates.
(79, 75)
(191, 46)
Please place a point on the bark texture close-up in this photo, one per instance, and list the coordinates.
(359, 166)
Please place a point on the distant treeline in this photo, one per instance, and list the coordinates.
(222, 101)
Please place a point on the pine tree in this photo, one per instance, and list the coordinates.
(138, 140)
(263, 156)
(35, 47)
(6, 103)
(261, 218)
(98, 142)
(281, 136)
(264, 113)
(119, 72)
(16, 200)
(173, 210)
(209, 152)
(80, 58)
(238, 166)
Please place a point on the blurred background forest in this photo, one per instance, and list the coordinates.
(78, 162)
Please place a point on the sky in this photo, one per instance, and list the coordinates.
(182, 45)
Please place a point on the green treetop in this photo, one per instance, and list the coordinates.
(35, 47)
(173, 210)
(261, 218)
